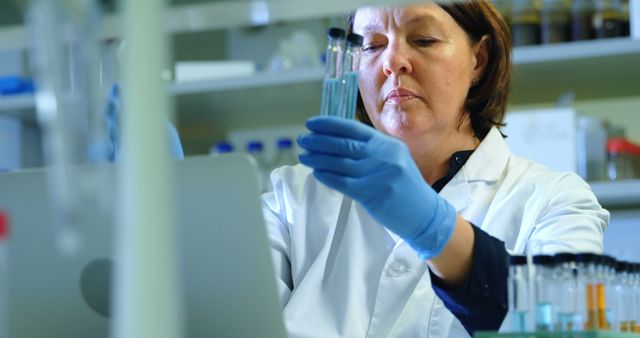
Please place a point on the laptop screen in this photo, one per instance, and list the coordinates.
(227, 281)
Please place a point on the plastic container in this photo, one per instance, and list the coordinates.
(623, 159)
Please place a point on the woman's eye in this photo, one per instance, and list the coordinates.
(423, 42)
(370, 48)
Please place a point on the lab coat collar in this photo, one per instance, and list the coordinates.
(486, 165)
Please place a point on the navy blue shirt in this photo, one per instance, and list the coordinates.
(480, 303)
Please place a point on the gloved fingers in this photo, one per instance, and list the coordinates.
(336, 164)
(335, 181)
(332, 145)
(336, 126)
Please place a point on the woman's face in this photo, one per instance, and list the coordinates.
(416, 69)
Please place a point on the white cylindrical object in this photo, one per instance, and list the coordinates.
(592, 148)
(146, 301)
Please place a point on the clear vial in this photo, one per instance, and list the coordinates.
(350, 75)
(587, 290)
(623, 309)
(544, 297)
(331, 86)
(518, 293)
(285, 154)
(567, 302)
(255, 149)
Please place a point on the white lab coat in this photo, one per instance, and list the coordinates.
(373, 284)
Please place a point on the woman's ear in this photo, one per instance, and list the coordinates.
(481, 55)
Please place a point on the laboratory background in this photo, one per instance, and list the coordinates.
(244, 76)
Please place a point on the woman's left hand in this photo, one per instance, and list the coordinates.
(378, 171)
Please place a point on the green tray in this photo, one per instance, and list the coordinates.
(557, 334)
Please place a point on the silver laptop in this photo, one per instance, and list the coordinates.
(228, 284)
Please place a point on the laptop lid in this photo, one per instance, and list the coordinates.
(227, 279)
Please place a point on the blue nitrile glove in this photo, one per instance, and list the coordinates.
(378, 171)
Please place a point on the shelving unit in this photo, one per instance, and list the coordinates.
(617, 194)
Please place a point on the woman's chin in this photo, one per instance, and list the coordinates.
(401, 124)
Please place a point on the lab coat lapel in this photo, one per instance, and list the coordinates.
(483, 169)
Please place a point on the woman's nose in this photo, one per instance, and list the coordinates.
(396, 60)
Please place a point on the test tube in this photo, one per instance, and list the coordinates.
(350, 75)
(622, 288)
(609, 279)
(565, 271)
(587, 287)
(331, 87)
(602, 268)
(544, 287)
(518, 292)
(635, 287)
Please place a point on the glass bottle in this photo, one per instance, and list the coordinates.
(525, 27)
(555, 21)
(582, 12)
(606, 20)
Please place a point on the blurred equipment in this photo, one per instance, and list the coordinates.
(229, 287)
(69, 104)
(255, 148)
(623, 159)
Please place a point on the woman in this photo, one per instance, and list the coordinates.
(438, 199)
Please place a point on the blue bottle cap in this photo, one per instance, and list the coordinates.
(284, 143)
(223, 147)
(254, 146)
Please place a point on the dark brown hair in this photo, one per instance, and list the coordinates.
(487, 100)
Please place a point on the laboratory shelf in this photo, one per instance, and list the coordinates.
(592, 70)
(597, 69)
(557, 334)
(575, 50)
(617, 194)
(263, 79)
(221, 15)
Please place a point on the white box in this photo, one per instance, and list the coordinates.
(187, 71)
(546, 136)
